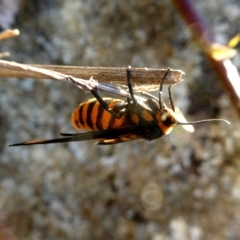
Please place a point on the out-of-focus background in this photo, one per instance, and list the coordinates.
(181, 186)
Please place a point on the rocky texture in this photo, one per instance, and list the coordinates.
(182, 186)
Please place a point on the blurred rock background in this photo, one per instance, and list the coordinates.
(181, 186)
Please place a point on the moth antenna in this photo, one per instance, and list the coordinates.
(205, 121)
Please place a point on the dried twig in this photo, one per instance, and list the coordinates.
(147, 78)
(12, 69)
(117, 75)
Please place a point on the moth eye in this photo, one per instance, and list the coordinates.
(168, 119)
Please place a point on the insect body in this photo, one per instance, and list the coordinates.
(139, 120)
(111, 121)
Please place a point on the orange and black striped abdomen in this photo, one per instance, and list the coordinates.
(91, 115)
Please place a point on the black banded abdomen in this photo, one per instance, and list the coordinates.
(91, 115)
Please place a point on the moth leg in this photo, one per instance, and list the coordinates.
(170, 98)
(155, 98)
(120, 109)
(160, 93)
(104, 104)
(130, 88)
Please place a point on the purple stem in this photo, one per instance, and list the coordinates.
(200, 30)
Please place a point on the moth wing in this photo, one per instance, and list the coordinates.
(110, 136)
